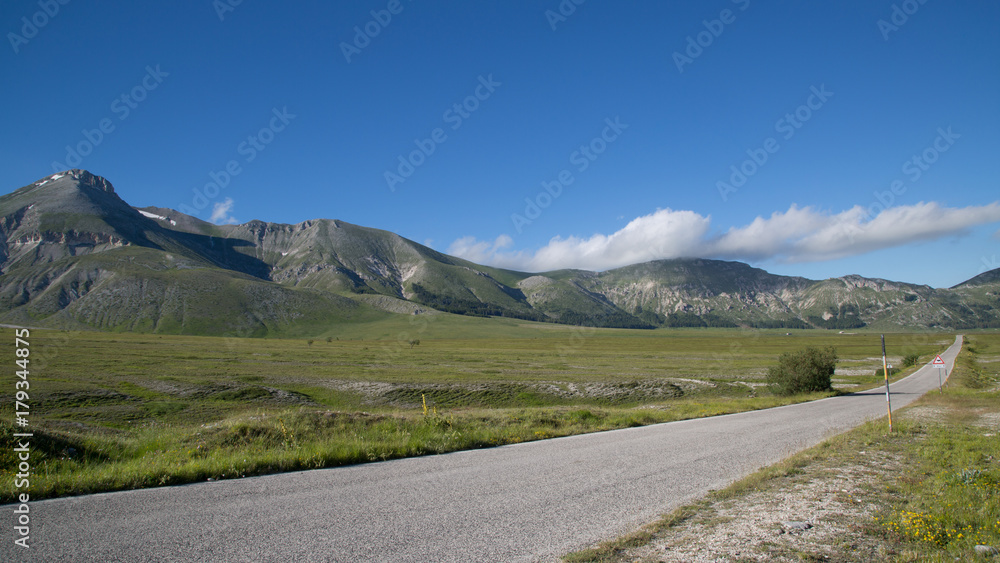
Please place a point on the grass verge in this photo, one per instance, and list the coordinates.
(298, 439)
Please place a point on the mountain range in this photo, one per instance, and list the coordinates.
(74, 255)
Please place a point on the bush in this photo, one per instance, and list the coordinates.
(804, 371)
(910, 360)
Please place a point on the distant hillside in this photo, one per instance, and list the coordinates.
(73, 254)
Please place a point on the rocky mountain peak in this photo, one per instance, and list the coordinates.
(85, 178)
(82, 178)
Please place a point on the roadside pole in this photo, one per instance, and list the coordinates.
(885, 370)
(939, 363)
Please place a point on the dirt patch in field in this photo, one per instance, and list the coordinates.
(413, 395)
(925, 413)
(989, 420)
(229, 391)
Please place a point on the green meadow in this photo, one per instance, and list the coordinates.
(112, 411)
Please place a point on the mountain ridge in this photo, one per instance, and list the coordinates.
(74, 254)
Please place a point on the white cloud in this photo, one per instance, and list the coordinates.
(658, 235)
(800, 234)
(482, 252)
(663, 233)
(848, 234)
(220, 212)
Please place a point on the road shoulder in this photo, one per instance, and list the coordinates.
(854, 497)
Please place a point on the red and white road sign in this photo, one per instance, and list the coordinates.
(938, 362)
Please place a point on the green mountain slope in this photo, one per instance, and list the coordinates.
(73, 254)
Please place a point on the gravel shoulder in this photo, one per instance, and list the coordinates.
(811, 508)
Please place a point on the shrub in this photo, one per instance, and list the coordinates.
(805, 371)
(910, 360)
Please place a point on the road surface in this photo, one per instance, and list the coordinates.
(525, 502)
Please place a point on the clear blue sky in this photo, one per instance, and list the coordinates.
(837, 102)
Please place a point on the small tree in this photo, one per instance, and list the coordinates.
(805, 371)
(413, 343)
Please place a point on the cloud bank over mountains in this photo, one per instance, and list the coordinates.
(800, 234)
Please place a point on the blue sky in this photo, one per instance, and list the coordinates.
(781, 134)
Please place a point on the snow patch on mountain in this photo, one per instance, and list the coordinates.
(155, 216)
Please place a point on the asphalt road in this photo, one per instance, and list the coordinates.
(525, 502)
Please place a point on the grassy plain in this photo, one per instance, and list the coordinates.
(120, 411)
(928, 491)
